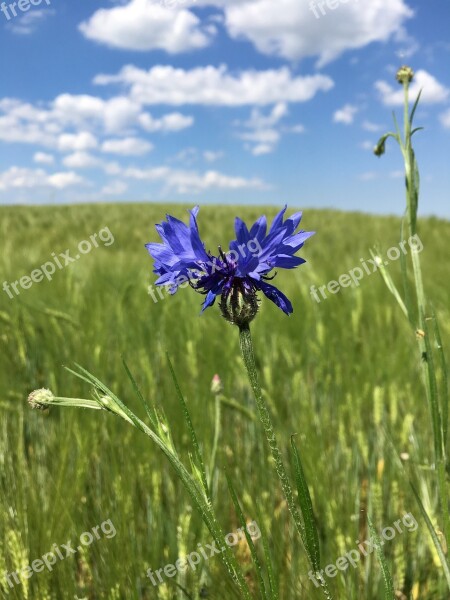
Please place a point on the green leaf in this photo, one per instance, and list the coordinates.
(187, 417)
(150, 411)
(311, 536)
(413, 112)
(434, 537)
(443, 363)
(389, 593)
(389, 282)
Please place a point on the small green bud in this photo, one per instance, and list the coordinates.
(40, 399)
(405, 75)
(380, 148)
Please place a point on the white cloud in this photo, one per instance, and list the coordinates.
(81, 160)
(289, 28)
(263, 131)
(297, 129)
(187, 156)
(127, 146)
(22, 178)
(211, 156)
(29, 21)
(372, 127)
(84, 140)
(433, 91)
(367, 145)
(191, 182)
(21, 122)
(65, 179)
(43, 158)
(144, 25)
(216, 86)
(346, 114)
(114, 188)
(170, 122)
(368, 176)
(445, 119)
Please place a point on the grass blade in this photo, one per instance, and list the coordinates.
(434, 537)
(389, 593)
(311, 536)
(197, 452)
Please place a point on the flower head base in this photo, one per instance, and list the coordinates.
(40, 399)
(239, 304)
(235, 276)
(405, 75)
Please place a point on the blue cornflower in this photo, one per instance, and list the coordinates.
(237, 275)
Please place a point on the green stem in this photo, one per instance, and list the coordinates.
(246, 343)
(412, 194)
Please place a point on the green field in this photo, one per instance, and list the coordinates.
(342, 374)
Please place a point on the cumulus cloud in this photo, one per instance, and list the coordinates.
(83, 140)
(114, 188)
(127, 146)
(445, 119)
(22, 178)
(212, 156)
(192, 182)
(144, 25)
(290, 29)
(216, 86)
(261, 130)
(28, 22)
(81, 160)
(170, 122)
(43, 125)
(433, 92)
(372, 127)
(346, 114)
(43, 158)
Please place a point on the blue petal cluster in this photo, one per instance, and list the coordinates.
(246, 266)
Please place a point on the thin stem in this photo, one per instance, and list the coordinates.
(428, 373)
(265, 418)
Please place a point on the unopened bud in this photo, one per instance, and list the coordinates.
(216, 385)
(239, 304)
(405, 75)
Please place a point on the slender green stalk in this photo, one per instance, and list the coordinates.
(438, 407)
(425, 348)
(266, 420)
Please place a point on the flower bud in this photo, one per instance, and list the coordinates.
(216, 385)
(239, 304)
(405, 75)
(40, 399)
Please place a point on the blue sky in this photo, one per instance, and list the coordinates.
(220, 101)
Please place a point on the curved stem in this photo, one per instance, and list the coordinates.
(246, 343)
